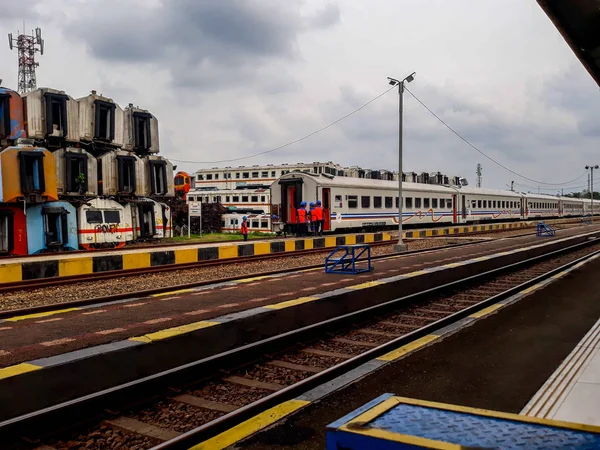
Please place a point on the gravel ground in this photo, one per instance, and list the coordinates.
(231, 394)
(306, 359)
(275, 374)
(176, 416)
(106, 437)
(91, 289)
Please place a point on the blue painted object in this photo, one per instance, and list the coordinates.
(51, 226)
(545, 230)
(586, 219)
(344, 258)
(391, 423)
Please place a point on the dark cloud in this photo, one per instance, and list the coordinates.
(18, 11)
(200, 41)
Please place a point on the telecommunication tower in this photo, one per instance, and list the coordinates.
(478, 172)
(27, 46)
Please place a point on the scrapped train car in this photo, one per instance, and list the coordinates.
(76, 172)
(51, 227)
(100, 121)
(28, 174)
(13, 230)
(258, 222)
(158, 177)
(151, 219)
(104, 223)
(51, 116)
(183, 184)
(123, 174)
(140, 131)
(12, 126)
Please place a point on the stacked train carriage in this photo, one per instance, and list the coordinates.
(356, 203)
(79, 173)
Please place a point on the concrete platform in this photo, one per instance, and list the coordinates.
(127, 341)
(572, 393)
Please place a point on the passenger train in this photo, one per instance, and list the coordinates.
(358, 203)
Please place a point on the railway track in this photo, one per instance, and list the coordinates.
(192, 403)
(74, 279)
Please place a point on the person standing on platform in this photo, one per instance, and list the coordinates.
(320, 216)
(313, 219)
(245, 227)
(302, 229)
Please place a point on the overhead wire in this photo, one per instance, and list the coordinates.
(482, 152)
(291, 142)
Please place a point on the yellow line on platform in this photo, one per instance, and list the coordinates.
(18, 369)
(41, 314)
(251, 426)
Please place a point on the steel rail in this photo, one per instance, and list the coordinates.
(53, 418)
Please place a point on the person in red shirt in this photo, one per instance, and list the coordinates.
(320, 218)
(302, 228)
(245, 227)
(313, 219)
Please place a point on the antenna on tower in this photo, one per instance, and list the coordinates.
(478, 172)
(27, 46)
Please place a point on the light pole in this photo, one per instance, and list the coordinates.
(591, 168)
(400, 246)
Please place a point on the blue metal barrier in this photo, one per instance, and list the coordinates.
(545, 230)
(345, 257)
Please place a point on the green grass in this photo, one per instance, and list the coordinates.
(216, 237)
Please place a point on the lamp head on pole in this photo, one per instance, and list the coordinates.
(587, 167)
(393, 81)
(411, 77)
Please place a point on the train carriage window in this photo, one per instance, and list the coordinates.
(31, 167)
(217, 199)
(237, 176)
(417, 202)
(190, 198)
(409, 202)
(264, 224)
(389, 202)
(112, 217)
(426, 203)
(93, 216)
(236, 199)
(365, 201)
(485, 204)
(126, 174)
(254, 198)
(503, 203)
(255, 224)
(442, 202)
(397, 203)
(254, 174)
(227, 198)
(263, 198)
(264, 174)
(141, 128)
(494, 206)
(56, 114)
(449, 203)
(209, 176)
(272, 174)
(377, 202)
(245, 175)
(434, 202)
(5, 115)
(352, 201)
(158, 177)
(76, 172)
(6, 231)
(474, 204)
(216, 176)
(244, 199)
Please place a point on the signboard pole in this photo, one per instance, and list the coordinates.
(189, 224)
(194, 209)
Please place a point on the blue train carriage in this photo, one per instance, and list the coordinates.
(12, 126)
(51, 227)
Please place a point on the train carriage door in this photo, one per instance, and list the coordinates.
(326, 209)
(453, 208)
(6, 231)
(291, 196)
(146, 220)
(464, 207)
(55, 227)
(524, 211)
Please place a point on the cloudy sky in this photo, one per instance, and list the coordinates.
(231, 78)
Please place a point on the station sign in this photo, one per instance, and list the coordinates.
(195, 209)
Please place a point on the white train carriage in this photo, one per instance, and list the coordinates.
(484, 205)
(104, 223)
(541, 206)
(571, 207)
(352, 203)
(257, 222)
